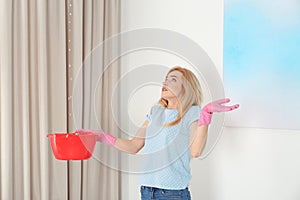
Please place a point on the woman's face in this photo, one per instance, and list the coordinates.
(172, 86)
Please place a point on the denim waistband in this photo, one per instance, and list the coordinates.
(155, 188)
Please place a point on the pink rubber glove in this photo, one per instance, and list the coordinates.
(103, 137)
(215, 106)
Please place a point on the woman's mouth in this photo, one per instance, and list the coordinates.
(164, 89)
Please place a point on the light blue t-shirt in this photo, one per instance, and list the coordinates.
(166, 150)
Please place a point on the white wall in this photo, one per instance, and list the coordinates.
(246, 163)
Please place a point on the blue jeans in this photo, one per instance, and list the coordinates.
(152, 193)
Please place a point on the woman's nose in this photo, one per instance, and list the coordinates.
(166, 82)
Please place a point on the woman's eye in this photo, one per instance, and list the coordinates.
(173, 79)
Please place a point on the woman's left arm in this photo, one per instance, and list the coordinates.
(199, 129)
(198, 139)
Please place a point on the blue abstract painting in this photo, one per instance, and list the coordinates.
(262, 62)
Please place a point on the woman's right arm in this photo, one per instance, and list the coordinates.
(135, 144)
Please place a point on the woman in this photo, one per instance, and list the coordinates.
(174, 125)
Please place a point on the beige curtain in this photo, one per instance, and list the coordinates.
(43, 44)
(98, 21)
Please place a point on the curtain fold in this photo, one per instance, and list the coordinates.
(6, 99)
(29, 104)
(42, 49)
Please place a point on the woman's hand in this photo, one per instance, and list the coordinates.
(215, 106)
(103, 137)
(131, 146)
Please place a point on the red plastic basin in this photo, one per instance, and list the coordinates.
(69, 146)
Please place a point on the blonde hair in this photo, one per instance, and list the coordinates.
(191, 95)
